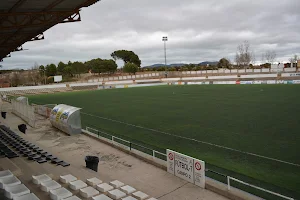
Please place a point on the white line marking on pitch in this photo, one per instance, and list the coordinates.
(191, 139)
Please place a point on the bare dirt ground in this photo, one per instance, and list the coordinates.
(114, 164)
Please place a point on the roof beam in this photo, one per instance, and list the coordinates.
(34, 19)
(18, 4)
(49, 7)
(53, 4)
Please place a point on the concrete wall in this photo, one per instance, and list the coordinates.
(34, 87)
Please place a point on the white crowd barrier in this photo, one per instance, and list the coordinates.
(160, 158)
(256, 187)
(43, 110)
(26, 112)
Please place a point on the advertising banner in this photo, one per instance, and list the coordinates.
(199, 174)
(271, 82)
(296, 74)
(296, 82)
(57, 79)
(246, 82)
(280, 81)
(186, 168)
(170, 161)
(257, 82)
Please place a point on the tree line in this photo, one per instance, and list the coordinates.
(245, 58)
(132, 63)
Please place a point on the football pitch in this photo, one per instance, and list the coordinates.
(250, 132)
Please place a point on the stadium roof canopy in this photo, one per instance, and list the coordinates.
(25, 20)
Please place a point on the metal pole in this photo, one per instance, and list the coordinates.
(165, 39)
(165, 45)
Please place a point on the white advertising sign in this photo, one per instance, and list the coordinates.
(57, 79)
(170, 161)
(271, 82)
(256, 82)
(199, 173)
(298, 74)
(280, 81)
(296, 81)
(184, 167)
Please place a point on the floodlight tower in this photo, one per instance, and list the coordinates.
(165, 39)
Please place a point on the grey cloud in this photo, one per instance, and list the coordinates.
(198, 30)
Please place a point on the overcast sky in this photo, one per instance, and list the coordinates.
(198, 30)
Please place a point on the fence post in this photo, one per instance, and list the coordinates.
(130, 146)
(98, 133)
(153, 154)
(228, 182)
(112, 138)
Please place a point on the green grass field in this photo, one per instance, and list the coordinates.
(260, 119)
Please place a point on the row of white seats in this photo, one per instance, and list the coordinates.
(13, 188)
(91, 189)
(35, 91)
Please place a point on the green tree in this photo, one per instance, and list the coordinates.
(97, 66)
(94, 65)
(42, 70)
(127, 57)
(224, 63)
(130, 68)
(79, 68)
(51, 70)
(60, 67)
(68, 71)
(109, 66)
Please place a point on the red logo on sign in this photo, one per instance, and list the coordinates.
(171, 157)
(198, 166)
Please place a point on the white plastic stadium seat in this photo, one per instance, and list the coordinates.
(9, 181)
(60, 193)
(116, 194)
(30, 196)
(93, 182)
(104, 187)
(67, 178)
(88, 192)
(129, 198)
(40, 179)
(76, 185)
(5, 174)
(140, 195)
(16, 191)
(116, 184)
(127, 189)
(101, 197)
(72, 198)
(50, 185)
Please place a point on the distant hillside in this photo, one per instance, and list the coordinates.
(182, 64)
(209, 63)
(170, 65)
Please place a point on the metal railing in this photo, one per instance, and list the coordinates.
(255, 187)
(128, 145)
